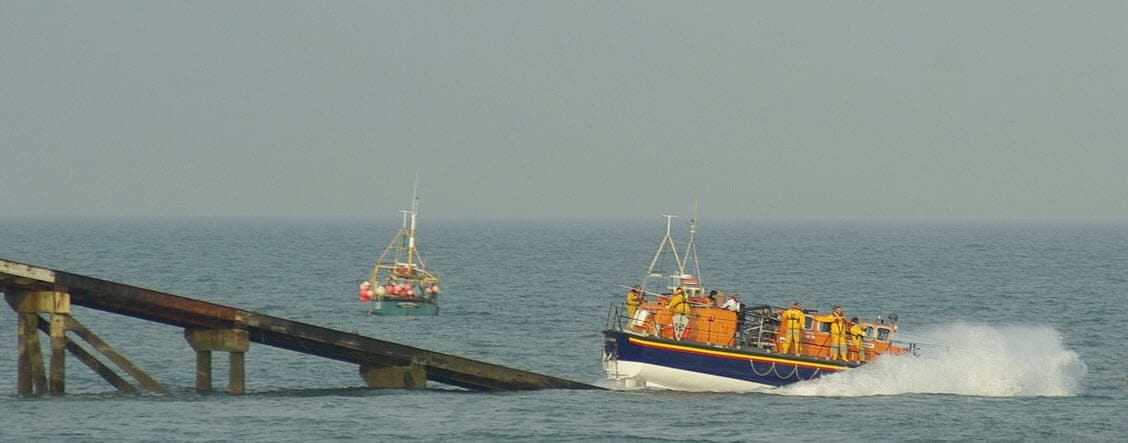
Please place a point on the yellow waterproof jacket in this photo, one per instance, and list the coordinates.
(857, 332)
(633, 299)
(837, 324)
(793, 318)
(679, 303)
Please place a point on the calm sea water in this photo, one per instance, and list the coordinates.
(1029, 323)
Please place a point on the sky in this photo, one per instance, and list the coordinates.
(747, 110)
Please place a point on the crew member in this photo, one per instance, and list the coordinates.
(634, 299)
(837, 333)
(679, 305)
(856, 334)
(733, 303)
(793, 320)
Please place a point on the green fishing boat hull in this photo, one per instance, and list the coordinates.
(404, 307)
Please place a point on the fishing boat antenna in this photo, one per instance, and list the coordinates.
(411, 253)
(404, 236)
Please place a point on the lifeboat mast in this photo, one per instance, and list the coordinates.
(677, 277)
(691, 249)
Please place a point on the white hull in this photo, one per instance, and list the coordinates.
(629, 374)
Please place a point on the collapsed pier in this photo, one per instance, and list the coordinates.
(42, 299)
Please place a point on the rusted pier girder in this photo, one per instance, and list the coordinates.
(212, 327)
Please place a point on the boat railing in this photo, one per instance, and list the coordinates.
(756, 331)
(614, 317)
(756, 327)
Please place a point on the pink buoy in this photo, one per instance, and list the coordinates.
(392, 289)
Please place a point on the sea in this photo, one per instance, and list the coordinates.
(1022, 325)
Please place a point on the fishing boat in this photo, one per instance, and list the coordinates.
(721, 344)
(400, 283)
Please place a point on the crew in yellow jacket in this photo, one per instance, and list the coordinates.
(634, 300)
(856, 334)
(837, 333)
(679, 304)
(793, 320)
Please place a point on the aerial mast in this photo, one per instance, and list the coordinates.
(673, 248)
(691, 248)
(414, 212)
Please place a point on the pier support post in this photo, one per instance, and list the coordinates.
(411, 376)
(203, 371)
(233, 341)
(58, 382)
(25, 362)
(29, 366)
(237, 381)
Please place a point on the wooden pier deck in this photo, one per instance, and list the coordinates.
(32, 291)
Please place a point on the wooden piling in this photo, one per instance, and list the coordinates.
(28, 305)
(28, 339)
(91, 362)
(235, 342)
(58, 381)
(236, 379)
(113, 355)
(203, 371)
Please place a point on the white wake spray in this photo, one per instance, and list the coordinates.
(979, 360)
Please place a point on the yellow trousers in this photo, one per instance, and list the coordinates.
(792, 337)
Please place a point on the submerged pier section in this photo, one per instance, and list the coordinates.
(35, 292)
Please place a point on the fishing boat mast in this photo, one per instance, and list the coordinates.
(403, 245)
(411, 233)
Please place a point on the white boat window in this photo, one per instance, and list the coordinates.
(883, 334)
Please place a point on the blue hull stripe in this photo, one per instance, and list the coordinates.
(772, 370)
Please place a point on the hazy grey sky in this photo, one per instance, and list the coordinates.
(778, 110)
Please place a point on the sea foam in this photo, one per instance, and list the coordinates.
(974, 359)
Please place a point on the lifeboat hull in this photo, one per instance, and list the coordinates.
(633, 360)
